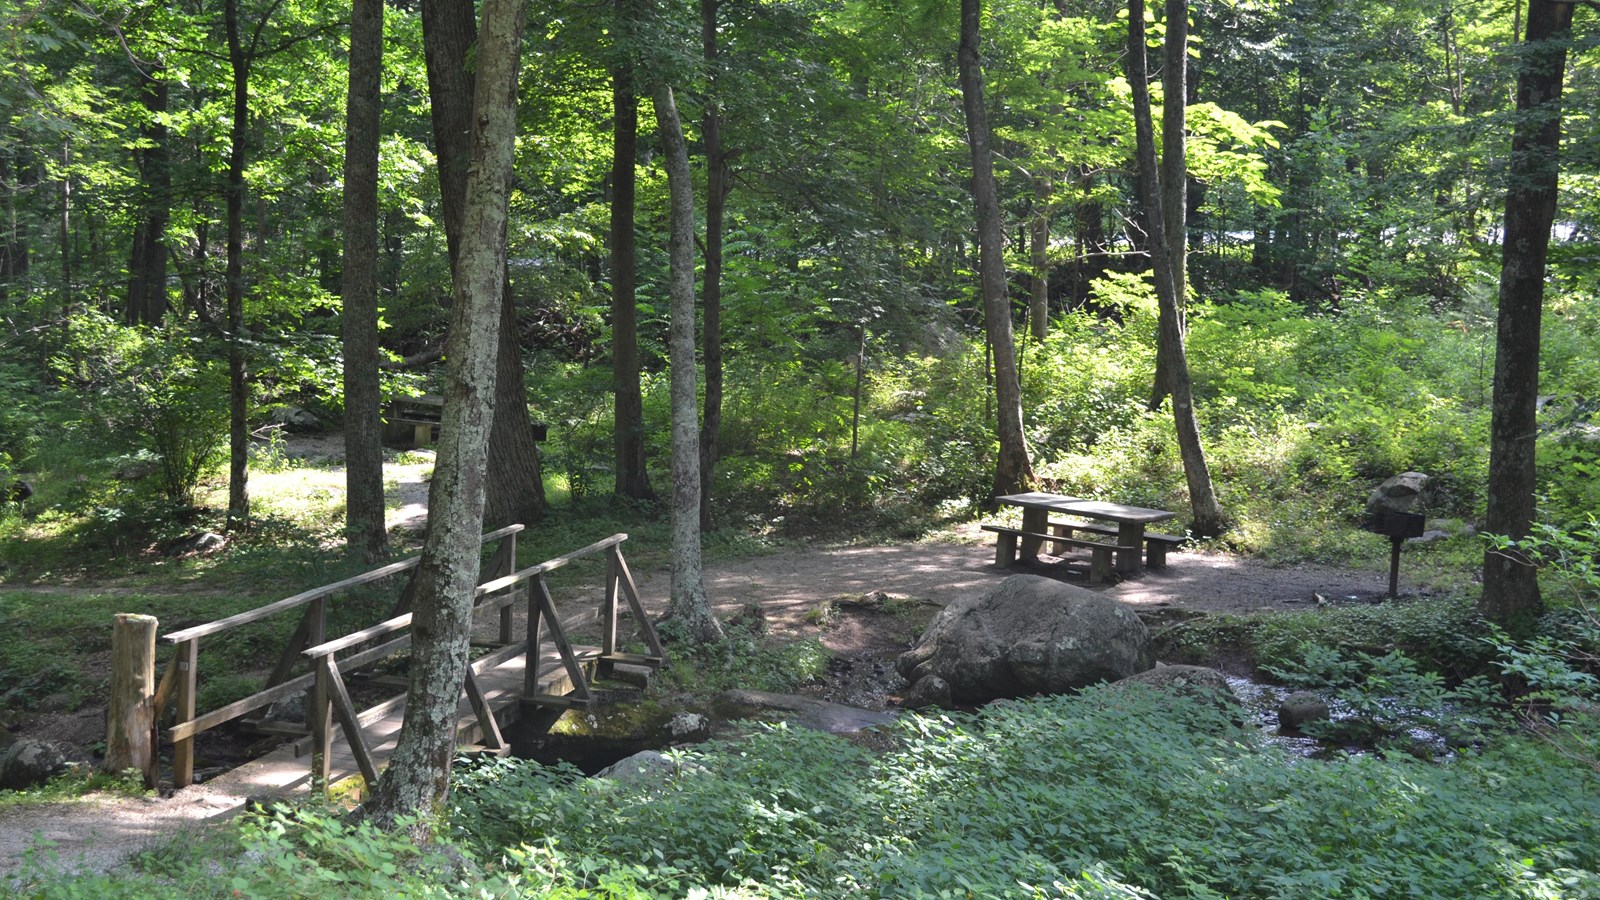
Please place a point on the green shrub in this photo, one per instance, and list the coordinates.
(1113, 793)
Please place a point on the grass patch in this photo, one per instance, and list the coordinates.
(1443, 634)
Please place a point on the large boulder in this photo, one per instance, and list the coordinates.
(1030, 635)
(29, 763)
(1398, 494)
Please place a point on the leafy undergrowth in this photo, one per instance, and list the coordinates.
(1122, 794)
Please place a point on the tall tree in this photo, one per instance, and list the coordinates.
(363, 429)
(1510, 582)
(516, 485)
(689, 604)
(1164, 193)
(1012, 470)
(147, 262)
(240, 57)
(717, 186)
(632, 473)
(418, 776)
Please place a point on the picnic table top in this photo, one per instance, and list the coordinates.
(1090, 509)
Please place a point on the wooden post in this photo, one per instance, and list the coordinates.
(130, 719)
(508, 566)
(319, 715)
(608, 617)
(183, 748)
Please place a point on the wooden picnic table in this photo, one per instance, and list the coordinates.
(1130, 521)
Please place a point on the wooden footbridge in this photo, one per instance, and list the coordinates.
(337, 739)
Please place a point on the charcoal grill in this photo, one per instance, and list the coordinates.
(1397, 527)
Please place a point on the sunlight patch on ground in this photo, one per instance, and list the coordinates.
(405, 490)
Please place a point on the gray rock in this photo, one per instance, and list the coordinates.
(1190, 682)
(644, 766)
(204, 542)
(1029, 635)
(1431, 536)
(819, 715)
(296, 419)
(289, 709)
(30, 763)
(688, 727)
(1398, 494)
(929, 691)
(1299, 709)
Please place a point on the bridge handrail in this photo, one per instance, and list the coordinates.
(333, 702)
(401, 622)
(179, 683)
(304, 597)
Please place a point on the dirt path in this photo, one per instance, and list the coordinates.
(97, 834)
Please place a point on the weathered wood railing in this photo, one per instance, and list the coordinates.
(181, 677)
(335, 704)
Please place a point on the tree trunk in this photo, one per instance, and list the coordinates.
(147, 263)
(516, 485)
(632, 473)
(238, 376)
(363, 429)
(1510, 582)
(1168, 264)
(418, 777)
(689, 604)
(1039, 260)
(1012, 471)
(711, 286)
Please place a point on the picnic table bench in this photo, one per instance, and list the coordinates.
(415, 421)
(1128, 525)
(1100, 552)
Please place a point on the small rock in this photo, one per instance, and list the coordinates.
(1299, 709)
(1428, 537)
(289, 709)
(1192, 682)
(688, 727)
(644, 766)
(204, 542)
(928, 691)
(31, 762)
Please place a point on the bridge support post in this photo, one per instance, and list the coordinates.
(131, 716)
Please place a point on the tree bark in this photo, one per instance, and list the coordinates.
(689, 604)
(366, 535)
(631, 469)
(1510, 582)
(238, 518)
(418, 777)
(147, 263)
(1167, 262)
(1013, 471)
(516, 492)
(1039, 260)
(711, 284)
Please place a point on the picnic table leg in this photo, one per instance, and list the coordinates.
(1130, 534)
(1036, 521)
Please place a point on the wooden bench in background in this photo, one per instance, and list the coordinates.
(1156, 545)
(414, 422)
(1100, 553)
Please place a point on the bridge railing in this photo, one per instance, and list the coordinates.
(181, 680)
(335, 705)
